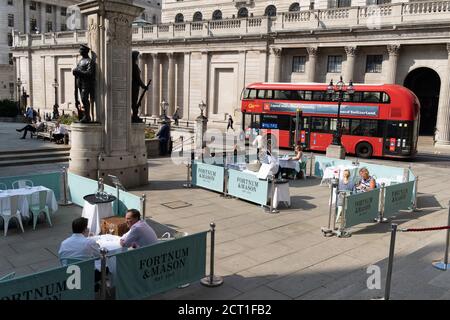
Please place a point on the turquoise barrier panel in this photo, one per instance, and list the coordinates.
(128, 201)
(320, 163)
(247, 186)
(412, 176)
(398, 197)
(74, 282)
(79, 187)
(208, 176)
(362, 208)
(52, 180)
(160, 267)
(385, 172)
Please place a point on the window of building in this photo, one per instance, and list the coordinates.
(377, 2)
(64, 12)
(179, 18)
(49, 26)
(48, 8)
(334, 64)
(63, 27)
(374, 63)
(33, 5)
(298, 64)
(154, 20)
(217, 15)
(271, 11)
(10, 39)
(294, 7)
(10, 20)
(33, 24)
(242, 13)
(339, 3)
(311, 5)
(10, 2)
(11, 59)
(11, 89)
(198, 16)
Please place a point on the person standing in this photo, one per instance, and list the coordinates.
(176, 116)
(230, 123)
(163, 136)
(258, 143)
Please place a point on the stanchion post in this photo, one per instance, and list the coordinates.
(416, 186)
(381, 218)
(212, 280)
(387, 289)
(443, 265)
(272, 196)
(118, 200)
(327, 232)
(143, 201)
(64, 202)
(103, 252)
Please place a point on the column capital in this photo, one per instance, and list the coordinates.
(276, 51)
(170, 55)
(448, 48)
(154, 55)
(351, 50)
(393, 49)
(312, 51)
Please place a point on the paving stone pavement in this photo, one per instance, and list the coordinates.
(272, 256)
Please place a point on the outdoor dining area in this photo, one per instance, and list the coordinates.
(25, 202)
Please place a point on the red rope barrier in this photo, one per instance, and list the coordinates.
(425, 229)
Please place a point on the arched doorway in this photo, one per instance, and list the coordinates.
(426, 84)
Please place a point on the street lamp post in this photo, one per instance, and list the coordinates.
(19, 84)
(55, 106)
(202, 107)
(336, 92)
(164, 107)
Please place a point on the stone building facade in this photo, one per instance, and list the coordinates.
(212, 59)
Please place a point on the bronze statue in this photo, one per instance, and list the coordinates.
(85, 82)
(136, 84)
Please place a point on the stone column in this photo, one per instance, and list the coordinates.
(350, 65)
(155, 86)
(43, 18)
(443, 119)
(393, 51)
(276, 58)
(171, 84)
(148, 76)
(312, 62)
(26, 16)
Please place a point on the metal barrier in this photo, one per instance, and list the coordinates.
(328, 232)
(212, 280)
(143, 202)
(387, 289)
(271, 209)
(65, 201)
(103, 287)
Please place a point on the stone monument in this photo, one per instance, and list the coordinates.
(111, 145)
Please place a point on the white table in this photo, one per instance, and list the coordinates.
(95, 213)
(338, 171)
(111, 243)
(24, 195)
(289, 164)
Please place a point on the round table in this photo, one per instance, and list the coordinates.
(95, 209)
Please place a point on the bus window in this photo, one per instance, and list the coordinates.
(244, 94)
(385, 97)
(345, 123)
(320, 96)
(319, 124)
(252, 94)
(282, 95)
(371, 97)
(307, 95)
(365, 127)
(269, 94)
(261, 94)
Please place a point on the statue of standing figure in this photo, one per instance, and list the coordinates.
(85, 82)
(136, 85)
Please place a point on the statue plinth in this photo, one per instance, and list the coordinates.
(115, 146)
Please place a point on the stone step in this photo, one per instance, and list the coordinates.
(34, 155)
(10, 163)
(40, 151)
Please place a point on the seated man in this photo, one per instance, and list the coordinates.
(59, 133)
(367, 182)
(33, 128)
(140, 234)
(79, 246)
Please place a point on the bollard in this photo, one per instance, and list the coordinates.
(387, 288)
(272, 196)
(64, 201)
(143, 201)
(443, 265)
(212, 280)
(381, 218)
(103, 252)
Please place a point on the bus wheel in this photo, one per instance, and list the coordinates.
(364, 150)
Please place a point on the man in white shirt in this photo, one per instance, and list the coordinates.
(259, 143)
(79, 246)
(59, 132)
(140, 234)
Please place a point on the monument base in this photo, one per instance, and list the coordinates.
(334, 151)
(89, 159)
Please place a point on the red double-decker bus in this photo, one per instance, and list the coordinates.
(377, 120)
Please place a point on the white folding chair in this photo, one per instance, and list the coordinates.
(12, 212)
(3, 186)
(36, 209)
(22, 184)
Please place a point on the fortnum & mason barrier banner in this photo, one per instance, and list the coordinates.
(247, 186)
(160, 267)
(73, 282)
(208, 176)
(362, 208)
(398, 197)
